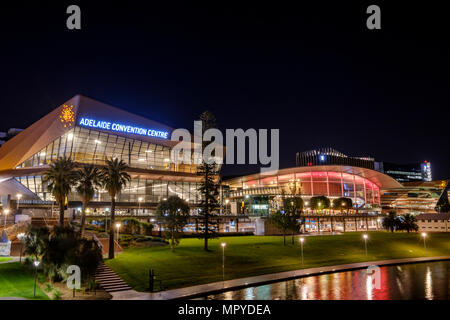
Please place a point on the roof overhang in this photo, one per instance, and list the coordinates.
(382, 180)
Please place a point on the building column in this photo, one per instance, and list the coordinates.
(328, 186)
(312, 185)
(342, 184)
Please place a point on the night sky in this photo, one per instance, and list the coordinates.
(315, 72)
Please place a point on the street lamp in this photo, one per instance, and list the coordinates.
(301, 245)
(223, 244)
(424, 236)
(21, 236)
(36, 265)
(19, 196)
(5, 212)
(139, 200)
(365, 237)
(117, 227)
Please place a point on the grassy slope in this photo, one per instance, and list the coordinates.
(253, 255)
(16, 282)
(3, 259)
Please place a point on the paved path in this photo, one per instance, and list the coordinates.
(13, 259)
(215, 287)
(110, 281)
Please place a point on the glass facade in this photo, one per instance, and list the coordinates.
(309, 184)
(90, 146)
(151, 191)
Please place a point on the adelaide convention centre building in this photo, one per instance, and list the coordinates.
(89, 131)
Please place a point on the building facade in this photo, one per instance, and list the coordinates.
(330, 156)
(261, 194)
(412, 172)
(89, 132)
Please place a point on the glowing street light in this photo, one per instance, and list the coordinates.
(140, 200)
(21, 237)
(223, 244)
(19, 196)
(36, 265)
(424, 236)
(118, 228)
(5, 212)
(301, 245)
(365, 237)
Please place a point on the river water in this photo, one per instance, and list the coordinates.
(408, 281)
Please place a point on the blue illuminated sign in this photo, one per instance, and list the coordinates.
(106, 125)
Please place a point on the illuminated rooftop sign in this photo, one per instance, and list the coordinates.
(118, 127)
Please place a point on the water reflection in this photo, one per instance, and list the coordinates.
(413, 281)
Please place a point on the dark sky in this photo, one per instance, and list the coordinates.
(315, 72)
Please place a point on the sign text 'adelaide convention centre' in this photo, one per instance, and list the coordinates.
(105, 125)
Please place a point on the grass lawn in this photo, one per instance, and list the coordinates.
(16, 282)
(3, 259)
(255, 255)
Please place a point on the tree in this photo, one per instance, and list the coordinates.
(35, 241)
(174, 213)
(342, 204)
(209, 188)
(391, 221)
(60, 248)
(293, 206)
(88, 180)
(409, 223)
(319, 203)
(60, 178)
(114, 178)
(284, 221)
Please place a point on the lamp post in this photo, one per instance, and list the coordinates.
(117, 227)
(139, 200)
(21, 236)
(36, 265)
(5, 212)
(223, 244)
(424, 236)
(301, 245)
(365, 237)
(19, 196)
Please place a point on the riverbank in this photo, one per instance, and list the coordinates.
(253, 256)
(222, 286)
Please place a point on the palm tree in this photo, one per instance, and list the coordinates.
(60, 178)
(390, 222)
(114, 178)
(409, 223)
(88, 180)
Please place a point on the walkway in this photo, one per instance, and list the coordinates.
(215, 287)
(13, 259)
(110, 281)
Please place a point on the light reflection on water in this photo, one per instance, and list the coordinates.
(411, 281)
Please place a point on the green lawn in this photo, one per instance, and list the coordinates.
(3, 259)
(16, 282)
(255, 255)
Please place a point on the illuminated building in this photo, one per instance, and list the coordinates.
(89, 132)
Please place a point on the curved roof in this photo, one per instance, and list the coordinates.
(382, 180)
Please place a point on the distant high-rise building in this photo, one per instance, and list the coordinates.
(411, 172)
(330, 156)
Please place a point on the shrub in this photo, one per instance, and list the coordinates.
(56, 294)
(48, 287)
